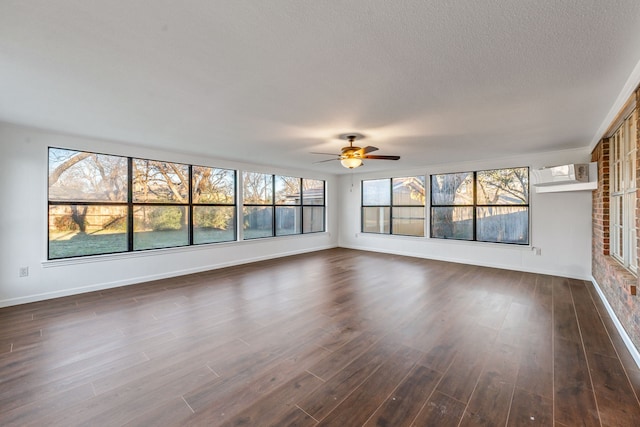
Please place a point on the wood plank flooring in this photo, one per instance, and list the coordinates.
(331, 338)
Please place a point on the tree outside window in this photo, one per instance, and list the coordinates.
(488, 206)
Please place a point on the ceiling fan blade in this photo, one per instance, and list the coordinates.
(367, 149)
(382, 157)
(326, 154)
(330, 160)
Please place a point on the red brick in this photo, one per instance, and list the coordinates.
(618, 284)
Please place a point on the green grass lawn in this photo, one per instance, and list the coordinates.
(71, 244)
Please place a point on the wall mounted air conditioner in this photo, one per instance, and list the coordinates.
(565, 174)
(571, 177)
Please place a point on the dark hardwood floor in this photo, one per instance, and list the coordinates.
(335, 338)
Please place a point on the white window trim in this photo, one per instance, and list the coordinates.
(622, 203)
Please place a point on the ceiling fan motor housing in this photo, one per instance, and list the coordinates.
(351, 151)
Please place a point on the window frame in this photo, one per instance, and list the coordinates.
(270, 205)
(391, 206)
(144, 204)
(300, 205)
(475, 205)
(130, 205)
(313, 205)
(193, 205)
(622, 197)
(188, 206)
(52, 203)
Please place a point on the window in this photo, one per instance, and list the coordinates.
(102, 204)
(487, 206)
(257, 212)
(313, 205)
(393, 206)
(88, 204)
(288, 205)
(623, 194)
(407, 208)
(160, 204)
(281, 205)
(214, 205)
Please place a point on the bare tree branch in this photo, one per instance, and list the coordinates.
(64, 166)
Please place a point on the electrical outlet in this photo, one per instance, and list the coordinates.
(24, 271)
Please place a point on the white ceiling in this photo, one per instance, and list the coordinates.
(269, 81)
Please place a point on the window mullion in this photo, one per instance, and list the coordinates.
(273, 205)
(390, 206)
(130, 204)
(189, 209)
(302, 201)
(475, 205)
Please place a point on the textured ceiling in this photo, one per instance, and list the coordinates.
(269, 81)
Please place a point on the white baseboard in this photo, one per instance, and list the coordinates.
(463, 261)
(623, 334)
(141, 279)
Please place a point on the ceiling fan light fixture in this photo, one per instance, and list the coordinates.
(351, 156)
(351, 162)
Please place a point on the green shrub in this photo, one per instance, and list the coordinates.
(166, 218)
(212, 218)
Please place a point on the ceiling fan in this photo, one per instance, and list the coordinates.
(351, 157)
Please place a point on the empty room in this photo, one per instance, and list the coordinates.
(298, 213)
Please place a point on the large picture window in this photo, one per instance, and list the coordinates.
(623, 194)
(394, 206)
(277, 205)
(102, 204)
(487, 206)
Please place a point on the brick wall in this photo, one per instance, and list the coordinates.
(618, 285)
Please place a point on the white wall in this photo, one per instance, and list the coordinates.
(560, 224)
(23, 227)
